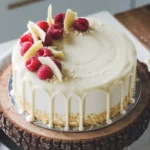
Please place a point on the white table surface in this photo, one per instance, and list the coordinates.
(142, 53)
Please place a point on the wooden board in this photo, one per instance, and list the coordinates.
(116, 136)
(137, 21)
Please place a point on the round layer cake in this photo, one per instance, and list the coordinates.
(73, 72)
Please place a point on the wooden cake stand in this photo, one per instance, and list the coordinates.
(114, 137)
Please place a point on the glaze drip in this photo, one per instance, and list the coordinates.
(31, 118)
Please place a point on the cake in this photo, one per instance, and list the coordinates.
(71, 72)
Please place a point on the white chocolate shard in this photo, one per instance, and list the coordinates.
(69, 19)
(37, 30)
(54, 47)
(57, 54)
(49, 62)
(49, 18)
(33, 50)
(33, 33)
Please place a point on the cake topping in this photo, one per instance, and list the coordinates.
(44, 72)
(38, 31)
(57, 54)
(59, 19)
(49, 62)
(81, 24)
(55, 31)
(33, 50)
(42, 35)
(26, 38)
(44, 52)
(33, 33)
(25, 47)
(43, 25)
(49, 19)
(57, 63)
(48, 39)
(32, 64)
(69, 19)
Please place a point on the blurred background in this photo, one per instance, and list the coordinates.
(13, 21)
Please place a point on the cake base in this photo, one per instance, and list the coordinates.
(114, 137)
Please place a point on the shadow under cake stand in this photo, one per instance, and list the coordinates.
(114, 137)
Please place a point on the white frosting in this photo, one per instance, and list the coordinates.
(99, 71)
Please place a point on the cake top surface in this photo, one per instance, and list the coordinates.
(99, 57)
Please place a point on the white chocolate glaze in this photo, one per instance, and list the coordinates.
(102, 61)
(132, 101)
(51, 114)
(67, 115)
(109, 121)
(122, 111)
(30, 118)
(81, 125)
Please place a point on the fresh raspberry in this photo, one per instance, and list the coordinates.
(44, 72)
(32, 64)
(44, 52)
(26, 38)
(43, 25)
(59, 19)
(57, 63)
(48, 39)
(81, 24)
(55, 31)
(25, 47)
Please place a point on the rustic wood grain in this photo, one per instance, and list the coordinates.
(114, 137)
(137, 21)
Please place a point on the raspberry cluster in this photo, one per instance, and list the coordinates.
(43, 71)
(53, 31)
